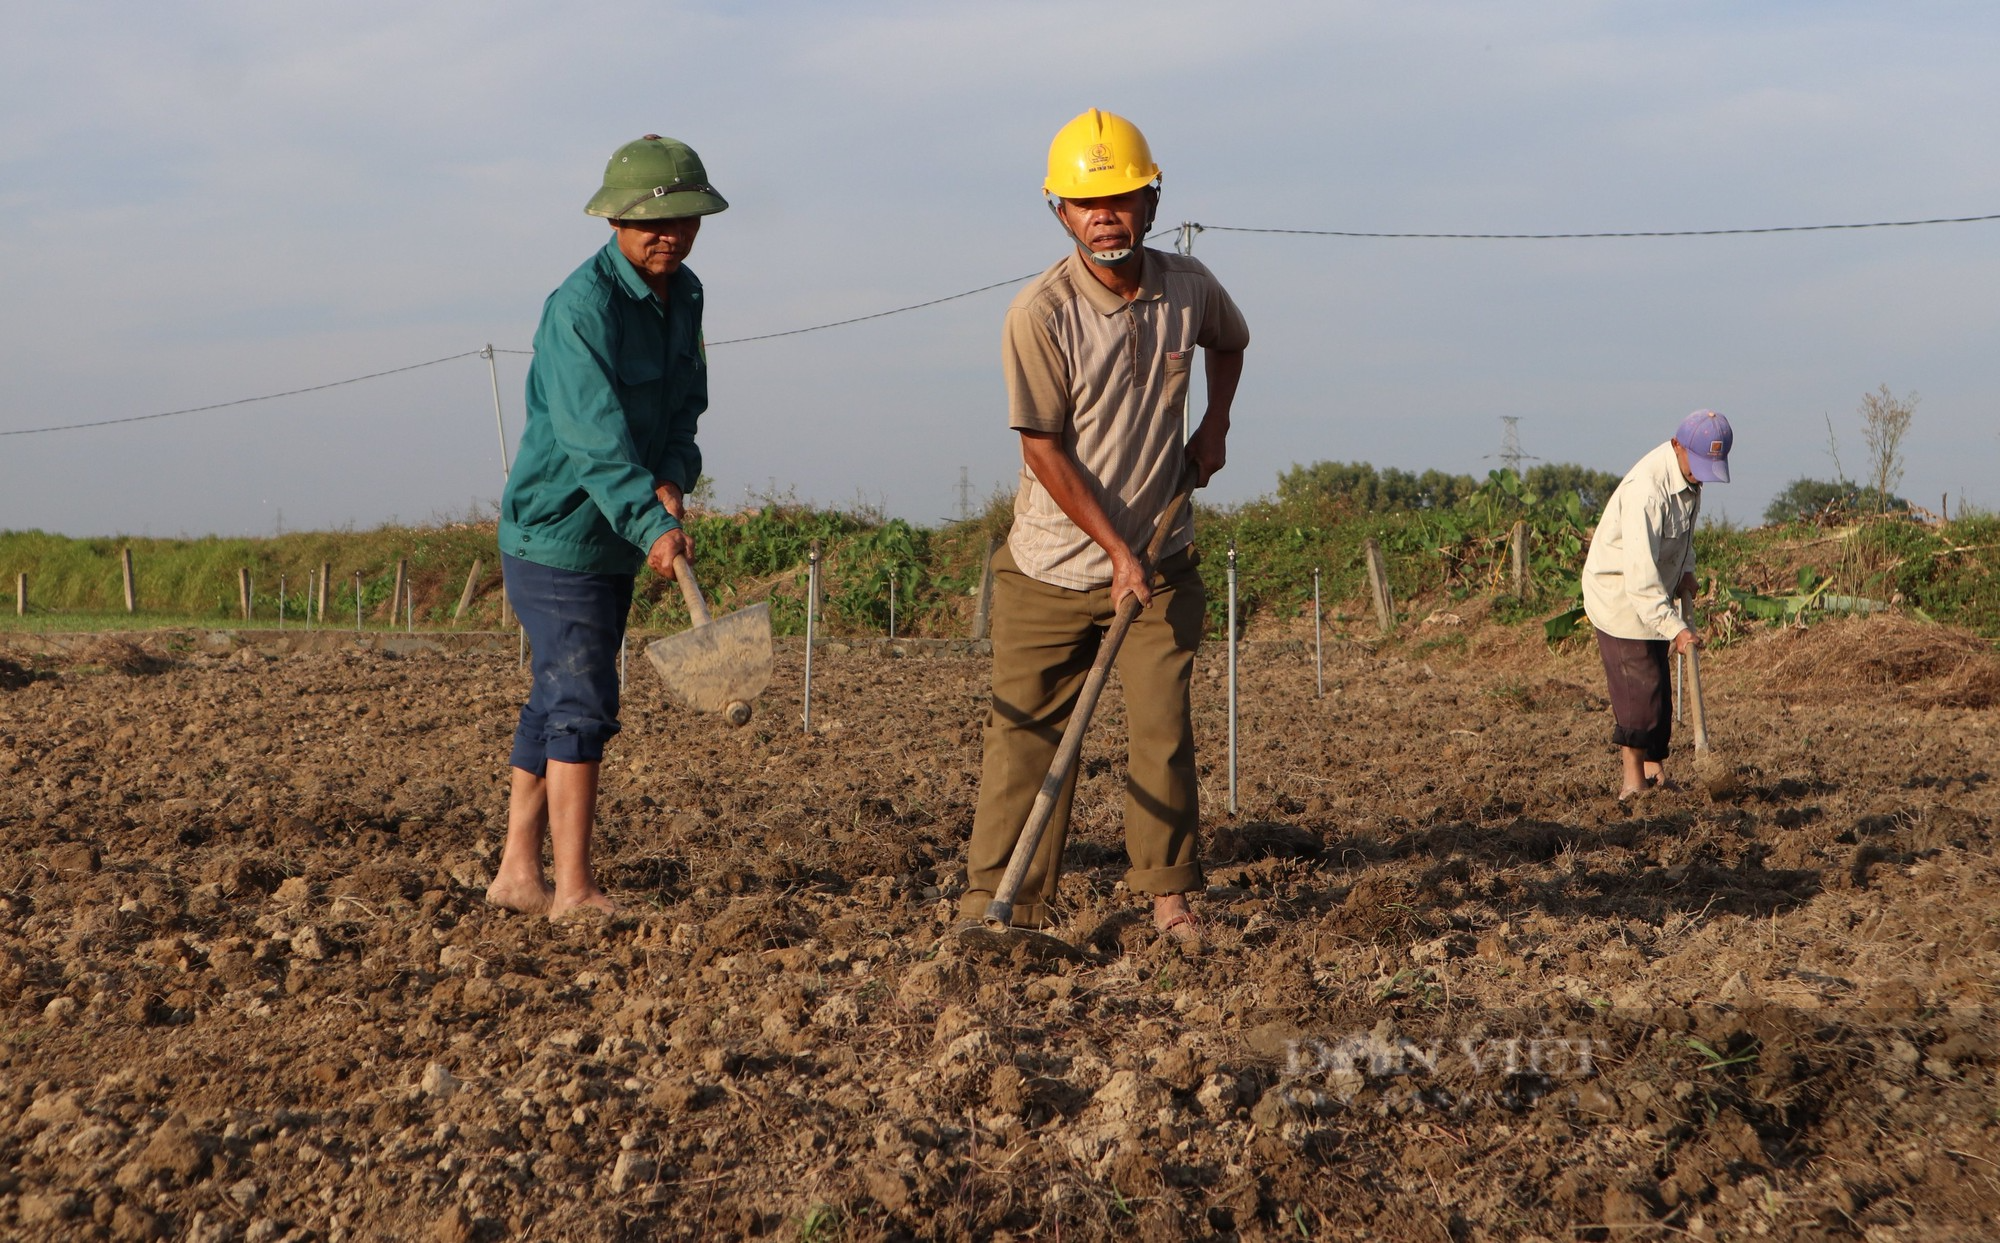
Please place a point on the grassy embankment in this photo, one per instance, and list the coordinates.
(1438, 559)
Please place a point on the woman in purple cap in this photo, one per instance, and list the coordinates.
(1641, 556)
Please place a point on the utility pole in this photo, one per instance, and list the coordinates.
(493, 374)
(1184, 243)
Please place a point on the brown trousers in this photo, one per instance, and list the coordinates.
(1636, 672)
(1044, 640)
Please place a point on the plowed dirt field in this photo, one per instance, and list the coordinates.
(1455, 992)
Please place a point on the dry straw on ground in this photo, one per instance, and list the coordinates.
(1935, 665)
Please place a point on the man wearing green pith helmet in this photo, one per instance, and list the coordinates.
(619, 380)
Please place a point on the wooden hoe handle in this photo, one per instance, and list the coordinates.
(1695, 712)
(691, 591)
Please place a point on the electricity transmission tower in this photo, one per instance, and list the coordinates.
(1510, 454)
(964, 495)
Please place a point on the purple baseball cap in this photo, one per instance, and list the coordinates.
(1707, 437)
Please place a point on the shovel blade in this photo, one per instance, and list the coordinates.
(709, 667)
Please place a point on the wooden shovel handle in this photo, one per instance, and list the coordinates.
(691, 591)
(1000, 911)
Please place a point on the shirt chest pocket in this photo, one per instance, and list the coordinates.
(1675, 524)
(655, 370)
(641, 364)
(1175, 377)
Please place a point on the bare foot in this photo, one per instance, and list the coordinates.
(1177, 924)
(1175, 921)
(530, 896)
(593, 901)
(1629, 793)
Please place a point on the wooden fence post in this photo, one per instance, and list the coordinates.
(243, 589)
(131, 597)
(465, 597)
(325, 576)
(21, 595)
(1378, 583)
(982, 615)
(1517, 545)
(396, 592)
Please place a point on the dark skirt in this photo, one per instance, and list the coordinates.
(1640, 685)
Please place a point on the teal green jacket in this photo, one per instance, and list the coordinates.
(618, 381)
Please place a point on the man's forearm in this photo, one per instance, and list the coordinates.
(1223, 371)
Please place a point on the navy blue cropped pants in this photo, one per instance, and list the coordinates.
(576, 626)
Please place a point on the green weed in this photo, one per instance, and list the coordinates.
(1715, 1059)
(821, 1224)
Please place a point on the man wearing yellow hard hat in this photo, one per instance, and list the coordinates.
(1098, 352)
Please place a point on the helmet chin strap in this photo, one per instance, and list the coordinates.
(1108, 258)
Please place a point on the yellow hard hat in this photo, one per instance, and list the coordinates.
(1098, 155)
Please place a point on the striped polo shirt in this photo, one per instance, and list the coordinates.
(1111, 377)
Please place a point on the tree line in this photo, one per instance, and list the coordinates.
(1392, 490)
(1885, 422)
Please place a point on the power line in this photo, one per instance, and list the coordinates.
(1186, 242)
(240, 401)
(839, 323)
(1515, 237)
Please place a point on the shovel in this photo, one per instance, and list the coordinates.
(1716, 776)
(996, 930)
(715, 666)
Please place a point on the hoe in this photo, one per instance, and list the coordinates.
(719, 665)
(996, 931)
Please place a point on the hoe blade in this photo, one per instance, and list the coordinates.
(709, 667)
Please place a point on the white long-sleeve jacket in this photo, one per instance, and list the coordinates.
(1644, 543)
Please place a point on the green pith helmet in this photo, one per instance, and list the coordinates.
(655, 178)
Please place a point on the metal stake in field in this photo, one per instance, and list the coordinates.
(281, 601)
(812, 609)
(1319, 655)
(892, 604)
(357, 601)
(1232, 677)
(307, 609)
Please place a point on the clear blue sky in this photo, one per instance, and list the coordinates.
(201, 202)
